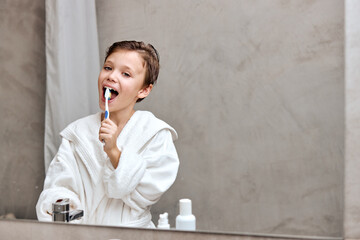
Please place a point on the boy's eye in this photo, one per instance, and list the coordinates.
(108, 68)
(126, 74)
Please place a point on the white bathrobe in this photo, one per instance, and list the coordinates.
(82, 171)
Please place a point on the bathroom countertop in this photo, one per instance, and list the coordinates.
(31, 229)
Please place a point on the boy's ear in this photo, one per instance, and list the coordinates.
(143, 93)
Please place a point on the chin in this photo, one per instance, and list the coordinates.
(101, 106)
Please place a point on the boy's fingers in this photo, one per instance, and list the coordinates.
(108, 125)
(104, 130)
(104, 137)
(108, 121)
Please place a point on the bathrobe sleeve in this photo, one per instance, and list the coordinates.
(61, 181)
(140, 179)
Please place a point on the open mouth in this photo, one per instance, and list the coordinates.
(113, 93)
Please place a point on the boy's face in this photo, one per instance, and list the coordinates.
(124, 71)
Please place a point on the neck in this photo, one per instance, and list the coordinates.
(120, 118)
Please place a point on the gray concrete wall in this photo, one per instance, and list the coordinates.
(22, 105)
(255, 90)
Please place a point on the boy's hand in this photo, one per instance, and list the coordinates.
(108, 134)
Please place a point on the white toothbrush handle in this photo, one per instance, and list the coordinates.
(107, 113)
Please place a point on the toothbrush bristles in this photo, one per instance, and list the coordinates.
(107, 94)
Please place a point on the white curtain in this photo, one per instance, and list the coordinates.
(72, 65)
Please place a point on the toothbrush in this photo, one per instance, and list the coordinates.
(107, 98)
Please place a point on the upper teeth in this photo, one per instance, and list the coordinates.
(109, 88)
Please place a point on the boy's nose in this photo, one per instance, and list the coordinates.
(112, 76)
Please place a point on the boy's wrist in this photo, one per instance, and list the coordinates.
(114, 156)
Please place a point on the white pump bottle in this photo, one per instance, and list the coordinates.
(163, 221)
(185, 220)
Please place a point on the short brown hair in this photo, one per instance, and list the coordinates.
(148, 53)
